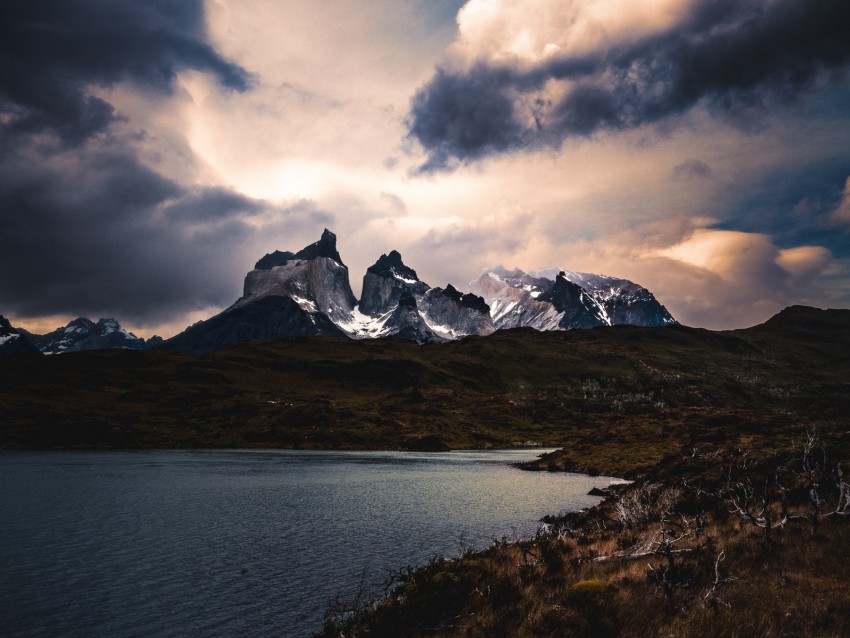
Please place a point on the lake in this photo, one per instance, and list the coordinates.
(243, 542)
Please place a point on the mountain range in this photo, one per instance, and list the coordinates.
(80, 334)
(618, 397)
(308, 293)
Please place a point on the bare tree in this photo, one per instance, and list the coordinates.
(765, 502)
(755, 500)
(812, 473)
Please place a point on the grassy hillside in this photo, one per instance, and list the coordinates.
(643, 392)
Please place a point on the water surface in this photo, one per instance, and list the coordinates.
(242, 543)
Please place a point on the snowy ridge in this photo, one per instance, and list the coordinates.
(85, 334)
(554, 298)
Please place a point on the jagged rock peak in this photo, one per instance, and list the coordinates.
(562, 292)
(392, 264)
(108, 325)
(80, 323)
(385, 282)
(467, 300)
(577, 308)
(272, 260)
(325, 247)
(562, 281)
(406, 322)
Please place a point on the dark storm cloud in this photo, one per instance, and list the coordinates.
(734, 57)
(793, 204)
(466, 116)
(212, 204)
(52, 51)
(86, 228)
(106, 236)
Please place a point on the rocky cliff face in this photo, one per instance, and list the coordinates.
(314, 277)
(622, 302)
(287, 294)
(407, 322)
(512, 297)
(385, 282)
(399, 304)
(453, 314)
(575, 307)
(317, 285)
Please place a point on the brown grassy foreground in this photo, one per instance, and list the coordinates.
(657, 558)
(620, 399)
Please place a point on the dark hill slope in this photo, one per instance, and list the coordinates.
(803, 332)
(263, 319)
(637, 393)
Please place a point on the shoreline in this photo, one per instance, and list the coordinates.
(661, 553)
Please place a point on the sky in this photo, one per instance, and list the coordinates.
(152, 151)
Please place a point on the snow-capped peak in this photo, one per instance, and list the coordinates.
(84, 334)
(536, 299)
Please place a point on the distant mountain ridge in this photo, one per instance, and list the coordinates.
(308, 293)
(315, 281)
(652, 385)
(85, 334)
(557, 299)
(80, 334)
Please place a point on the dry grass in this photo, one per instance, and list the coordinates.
(595, 574)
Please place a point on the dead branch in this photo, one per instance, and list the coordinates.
(661, 543)
(842, 507)
(711, 598)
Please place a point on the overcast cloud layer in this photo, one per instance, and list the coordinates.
(151, 152)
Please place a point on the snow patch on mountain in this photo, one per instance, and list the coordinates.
(360, 326)
(5, 338)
